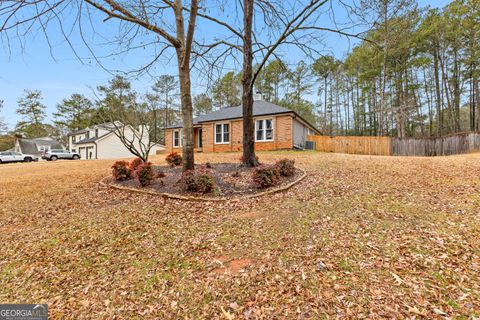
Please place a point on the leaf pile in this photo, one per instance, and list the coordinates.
(361, 237)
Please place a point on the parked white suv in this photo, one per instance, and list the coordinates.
(56, 154)
(12, 156)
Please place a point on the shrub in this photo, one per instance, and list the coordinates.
(121, 171)
(145, 174)
(198, 181)
(266, 176)
(241, 159)
(174, 159)
(134, 164)
(286, 167)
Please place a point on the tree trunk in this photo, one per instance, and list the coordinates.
(183, 57)
(437, 92)
(187, 133)
(249, 158)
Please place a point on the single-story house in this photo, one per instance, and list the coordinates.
(222, 130)
(101, 142)
(36, 146)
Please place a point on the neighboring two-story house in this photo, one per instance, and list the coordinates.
(101, 142)
(222, 130)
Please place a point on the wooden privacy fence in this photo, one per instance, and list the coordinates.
(387, 146)
(380, 146)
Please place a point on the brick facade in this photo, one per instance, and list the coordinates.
(283, 136)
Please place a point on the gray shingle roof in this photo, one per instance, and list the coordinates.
(260, 108)
(106, 125)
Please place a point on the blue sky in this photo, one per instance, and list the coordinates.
(32, 67)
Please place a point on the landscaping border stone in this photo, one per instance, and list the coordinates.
(165, 195)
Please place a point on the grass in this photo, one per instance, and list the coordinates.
(399, 237)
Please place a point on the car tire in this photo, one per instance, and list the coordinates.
(0, 161)
(53, 158)
(75, 157)
(27, 159)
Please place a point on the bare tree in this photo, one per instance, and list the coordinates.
(293, 24)
(170, 25)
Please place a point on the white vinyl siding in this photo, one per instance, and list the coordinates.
(264, 130)
(222, 133)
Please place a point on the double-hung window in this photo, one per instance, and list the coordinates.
(177, 138)
(222, 133)
(264, 130)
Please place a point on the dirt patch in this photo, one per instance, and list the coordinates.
(230, 179)
(233, 267)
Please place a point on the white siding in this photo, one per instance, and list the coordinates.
(111, 147)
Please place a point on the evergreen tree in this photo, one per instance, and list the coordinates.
(202, 104)
(33, 113)
(74, 113)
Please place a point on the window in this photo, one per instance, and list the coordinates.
(177, 138)
(264, 130)
(74, 139)
(222, 133)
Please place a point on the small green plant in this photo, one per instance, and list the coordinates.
(266, 176)
(286, 167)
(121, 170)
(174, 159)
(145, 174)
(134, 164)
(198, 181)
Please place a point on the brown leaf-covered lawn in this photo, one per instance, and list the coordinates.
(361, 237)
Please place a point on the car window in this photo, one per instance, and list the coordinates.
(15, 153)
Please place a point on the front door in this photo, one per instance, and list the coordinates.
(200, 142)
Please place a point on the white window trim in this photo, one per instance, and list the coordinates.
(215, 132)
(180, 140)
(265, 129)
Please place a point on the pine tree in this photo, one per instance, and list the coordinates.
(74, 113)
(33, 113)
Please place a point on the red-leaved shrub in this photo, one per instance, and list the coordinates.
(286, 167)
(121, 171)
(197, 181)
(265, 176)
(145, 174)
(174, 159)
(134, 164)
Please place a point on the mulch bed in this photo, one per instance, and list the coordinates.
(231, 179)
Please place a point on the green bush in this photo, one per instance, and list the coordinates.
(121, 171)
(286, 167)
(266, 176)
